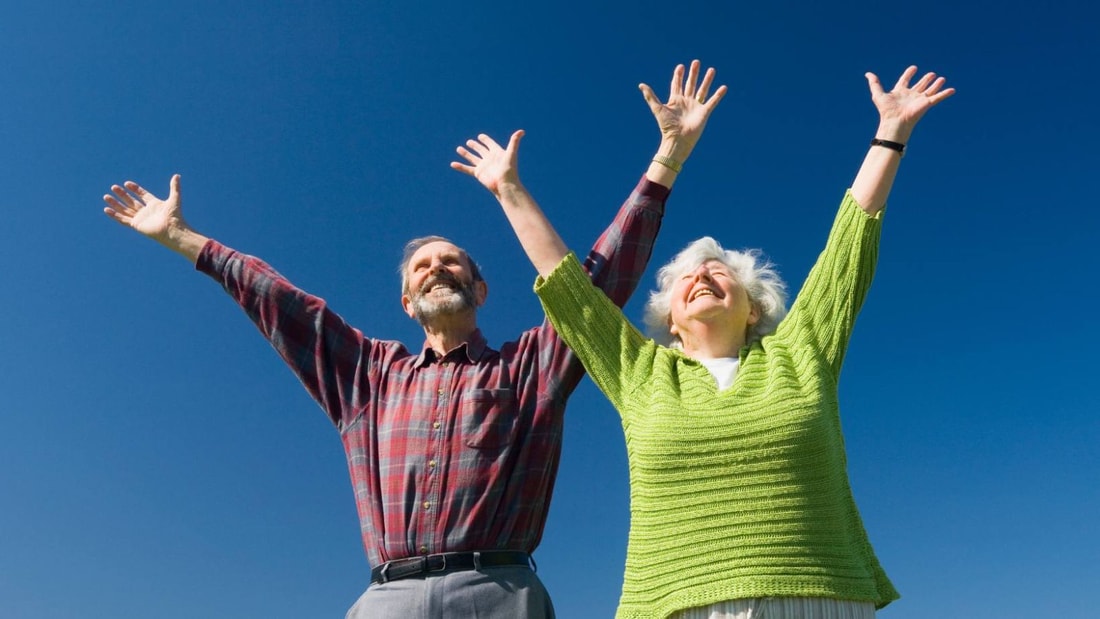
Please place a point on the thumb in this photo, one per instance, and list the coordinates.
(650, 98)
(174, 188)
(874, 84)
(513, 142)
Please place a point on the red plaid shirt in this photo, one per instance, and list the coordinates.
(451, 453)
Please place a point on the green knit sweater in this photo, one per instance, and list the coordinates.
(741, 493)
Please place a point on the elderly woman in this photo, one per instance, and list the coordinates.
(740, 501)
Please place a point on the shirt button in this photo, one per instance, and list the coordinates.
(427, 504)
(440, 393)
(423, 550)
(436, 425)
(431, 463)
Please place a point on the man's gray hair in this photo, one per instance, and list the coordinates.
(758, 276)
(417, 243)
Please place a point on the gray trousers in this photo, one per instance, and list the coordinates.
(492, 593)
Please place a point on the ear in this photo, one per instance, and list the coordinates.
(406, 304)
(481, 292)
(754, 314)
(672, 329)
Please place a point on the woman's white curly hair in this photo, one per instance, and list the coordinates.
(755, 273)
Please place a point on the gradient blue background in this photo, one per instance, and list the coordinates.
(159, 461)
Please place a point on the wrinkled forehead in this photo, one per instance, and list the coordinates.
(712, 264)
(436, 248)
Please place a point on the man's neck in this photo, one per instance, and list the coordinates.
(444, 334)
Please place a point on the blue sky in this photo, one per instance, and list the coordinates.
(160, 461)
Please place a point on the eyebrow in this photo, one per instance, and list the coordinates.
(450, 255)
(717, 263)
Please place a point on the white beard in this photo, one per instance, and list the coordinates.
(431, 305)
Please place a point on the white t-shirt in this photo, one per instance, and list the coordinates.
(723, 369)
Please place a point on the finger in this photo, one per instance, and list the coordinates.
(125, 197)
(139, 191)
(704, 88)
(677, 82)
(935, 87)
(463, 168)
(692, 78)
(117, 206)
(174, 188)
(650, 98)
(713, 101)
(513, 142)
(903, 81)
(119, 217)
(924, 81)
(874, 85)
(488, 141)
(477, 147)
(941, 96)
(468, 156)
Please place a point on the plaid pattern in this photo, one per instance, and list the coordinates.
(451, 453)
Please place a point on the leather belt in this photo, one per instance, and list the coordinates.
(447, 562)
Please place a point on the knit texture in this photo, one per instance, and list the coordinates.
(741, 493)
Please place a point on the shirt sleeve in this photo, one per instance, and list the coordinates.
(620, 256)
(613, 351)
(318, 345)
(824, 312)
(615, 265)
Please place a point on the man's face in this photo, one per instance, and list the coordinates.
(440, 282)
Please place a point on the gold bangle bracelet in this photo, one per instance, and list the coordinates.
(669, 163)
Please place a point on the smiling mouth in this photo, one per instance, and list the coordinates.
(705, 292)
(439, 284)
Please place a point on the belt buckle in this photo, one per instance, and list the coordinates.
(428, 563)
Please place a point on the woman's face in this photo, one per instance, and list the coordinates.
(709, 293)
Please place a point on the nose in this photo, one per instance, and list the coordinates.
(701, 273)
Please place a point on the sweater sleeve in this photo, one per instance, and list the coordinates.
(612, 350)
(615, 265)
(824, 312)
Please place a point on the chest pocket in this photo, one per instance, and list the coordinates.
(489, 418)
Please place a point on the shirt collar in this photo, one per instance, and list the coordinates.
(471, 350)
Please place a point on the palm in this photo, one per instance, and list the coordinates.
(495, 168)
(681, 117)
(492, 165)
(684, 116)
(153, 218)
(906, 104)
(135, 207)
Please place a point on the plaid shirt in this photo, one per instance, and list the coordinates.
(447, 453)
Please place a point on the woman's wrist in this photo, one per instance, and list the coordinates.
(510, 191)
(894, 131)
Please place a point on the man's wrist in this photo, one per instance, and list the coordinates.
(185, 241)
(675, 148)
(670, 163)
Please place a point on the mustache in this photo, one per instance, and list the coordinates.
(441, 278)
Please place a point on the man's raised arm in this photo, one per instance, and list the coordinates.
(681, 121)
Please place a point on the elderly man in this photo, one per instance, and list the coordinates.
(452, 451)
